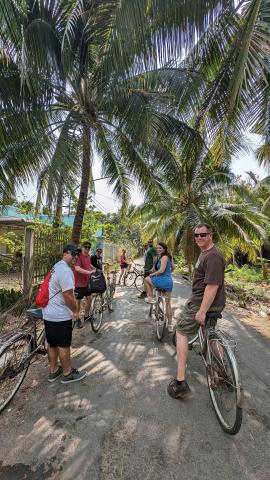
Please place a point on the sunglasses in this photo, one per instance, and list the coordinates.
(74, 254)
(87, 247)
(202, 235)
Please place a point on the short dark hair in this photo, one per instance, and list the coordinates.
(201, 225)
(86, 243)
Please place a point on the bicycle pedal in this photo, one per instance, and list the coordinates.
(42, 351)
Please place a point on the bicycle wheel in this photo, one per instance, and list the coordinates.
(160, 314)
(139, 282)
(14, 363)
(97, 312)
(224, 384)
(109, 293)
(129, 279)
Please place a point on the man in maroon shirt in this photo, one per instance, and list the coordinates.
(82, 271)
(208, 293)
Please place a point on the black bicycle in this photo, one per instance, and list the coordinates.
(16, 354)
(135, 277)
(101, 301)
(223, 378)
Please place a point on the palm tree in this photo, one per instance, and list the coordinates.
(203, 192)
(76, 62)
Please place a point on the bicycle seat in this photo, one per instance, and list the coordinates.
(214, 315)
(162, 290)
(34, 313)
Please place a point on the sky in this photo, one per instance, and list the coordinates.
(105, 201)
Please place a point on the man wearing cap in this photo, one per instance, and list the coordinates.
(58, 315)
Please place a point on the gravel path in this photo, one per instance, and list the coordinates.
(120, 424)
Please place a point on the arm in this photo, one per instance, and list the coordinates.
(208, 298)
(163, 264)
(84, 272)
(70, 300)
(173, 266)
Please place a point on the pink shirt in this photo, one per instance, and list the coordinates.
(83, 261)
(123, 259)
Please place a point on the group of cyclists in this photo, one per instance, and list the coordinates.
(70, 285)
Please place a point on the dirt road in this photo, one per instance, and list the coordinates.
(120, 424)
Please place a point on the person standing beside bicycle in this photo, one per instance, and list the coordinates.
(125, 267)
(208, 293)
(58, 315)
(82, 271)
(96, 259)
(161, 278)
(149, 258)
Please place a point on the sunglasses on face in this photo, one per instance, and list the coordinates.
(74, 254)
(87, 247)
(202, 235)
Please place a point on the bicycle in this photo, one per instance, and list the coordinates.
(135, 276)
(101, 301)
(158, 312)
(16, 354)
(223, 379)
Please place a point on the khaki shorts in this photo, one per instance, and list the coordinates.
(186, 323)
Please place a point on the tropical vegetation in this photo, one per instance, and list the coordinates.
(158, 92)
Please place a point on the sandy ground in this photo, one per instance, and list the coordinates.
(119, 422)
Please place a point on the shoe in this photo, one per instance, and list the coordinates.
(74, 376)
(170, 328)
(178, 391)
(79, 323)
(150, 300)
(142, 295)
(53, 376)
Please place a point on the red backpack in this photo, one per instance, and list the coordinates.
(42, 298)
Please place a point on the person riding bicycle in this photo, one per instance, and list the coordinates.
(161, 278)
(208, 293)
(149, 258)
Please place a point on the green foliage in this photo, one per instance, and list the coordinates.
(123, 231)
(13, 241)
(8, 298)
(5, 265)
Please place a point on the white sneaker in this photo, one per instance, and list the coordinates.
(170, 328)
(150, 300)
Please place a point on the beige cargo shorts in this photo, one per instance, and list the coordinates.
(186, 323)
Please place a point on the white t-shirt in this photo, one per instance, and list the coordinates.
(62, 279)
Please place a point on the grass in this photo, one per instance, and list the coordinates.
(248, 278)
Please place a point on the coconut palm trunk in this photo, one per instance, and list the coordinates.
(58, 217)
(85, 180)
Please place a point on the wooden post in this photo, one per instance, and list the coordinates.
(28, 262)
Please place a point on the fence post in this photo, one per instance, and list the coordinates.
(28, 261)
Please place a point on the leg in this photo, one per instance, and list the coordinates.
(88, 301)
(182, 355)
(64, 354)
(121, 274)
(148, 287)
(168, 296)
(186, 326)
(53, 354)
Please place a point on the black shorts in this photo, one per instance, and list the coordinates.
(58, 334)
(81, 292)
(124, 265)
